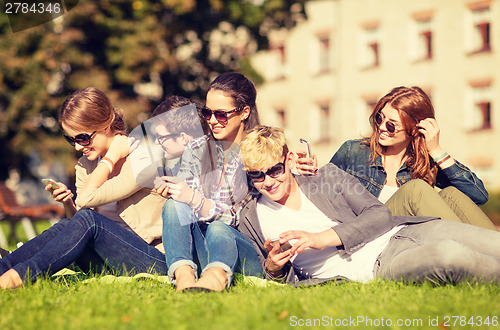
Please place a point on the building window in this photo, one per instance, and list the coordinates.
(483, 114)
(482, 30)
(278, 59)
(421, 35)
(321, 56)
(424, 47)
(479, 34)
(370, 48)
(319, 128)
(281, 118)
(324, 54)
(480, 113)
(324, 122)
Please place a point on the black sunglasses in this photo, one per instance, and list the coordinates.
(220, 115)
(163, 138)
(391, 127)
(82, 139)
(274, 172)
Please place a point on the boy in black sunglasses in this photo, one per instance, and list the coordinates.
(338, 230)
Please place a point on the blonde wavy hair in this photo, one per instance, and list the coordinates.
(263, 146)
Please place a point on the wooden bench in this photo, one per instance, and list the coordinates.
(12, 212)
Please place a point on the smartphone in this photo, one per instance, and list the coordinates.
(308, 147)
(285, 246)
(50, 181)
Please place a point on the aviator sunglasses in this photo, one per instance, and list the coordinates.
(391, 127)
(82, 139)
(274, 172)
(220, 116)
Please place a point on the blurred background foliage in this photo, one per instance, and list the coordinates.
(138, 52)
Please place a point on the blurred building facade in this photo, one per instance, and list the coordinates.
(324, 76)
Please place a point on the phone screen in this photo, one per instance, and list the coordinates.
(285, 246)
(50, 181)
(308, 147)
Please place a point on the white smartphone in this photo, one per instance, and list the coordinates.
(50, 181)
(308, 147)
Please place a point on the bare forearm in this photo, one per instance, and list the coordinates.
(70, 209)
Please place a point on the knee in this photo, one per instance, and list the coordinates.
(451, 193)
(84, 215)
(218, 229)
(169, 208)
(416, 185)
(447, 255)
(416, 189)
(175, 212)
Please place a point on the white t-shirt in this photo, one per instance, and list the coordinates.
(275, 219)
(386, 193)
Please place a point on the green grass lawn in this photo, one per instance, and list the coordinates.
(86, 302)
(71, 302)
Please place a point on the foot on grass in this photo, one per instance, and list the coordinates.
(10, 280)
(184, 277)
(214, 278)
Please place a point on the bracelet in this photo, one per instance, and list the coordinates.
(436, 159)
(192, 197)
(108, 162)
(443, 160)
(198, 207)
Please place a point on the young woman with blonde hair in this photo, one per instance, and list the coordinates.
(114, 223)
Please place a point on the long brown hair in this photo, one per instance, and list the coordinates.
(413, 105)
(243, 93)
(91, 109)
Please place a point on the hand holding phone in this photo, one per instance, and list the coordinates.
(307, 163)
(64, 195)
(51, 181)
(308, 147)
(283, 247)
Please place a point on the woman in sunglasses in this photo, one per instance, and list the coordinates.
(402, 161)
(198, 220)
(125, 234)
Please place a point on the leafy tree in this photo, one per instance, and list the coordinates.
(138, 52)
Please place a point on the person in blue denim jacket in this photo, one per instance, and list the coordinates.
(402, 161)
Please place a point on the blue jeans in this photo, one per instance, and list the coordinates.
(441, 251)
(88, 236)
(188, 241)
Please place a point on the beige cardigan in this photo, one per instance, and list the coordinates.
(139, 209)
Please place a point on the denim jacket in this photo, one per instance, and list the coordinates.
(355, 160)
